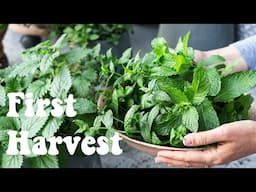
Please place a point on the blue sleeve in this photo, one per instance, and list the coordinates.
(247, 48)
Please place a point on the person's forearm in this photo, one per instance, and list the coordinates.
(229, 53)
(247, 49)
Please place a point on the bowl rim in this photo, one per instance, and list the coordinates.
(159, 147)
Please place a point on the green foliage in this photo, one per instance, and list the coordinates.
(170, 95)
(214, 81)
(48, 71)
(190, 119)
(235, 85)
(44, 161)
(11, 161)
(51, 127)
(84, 34)
(39, 88)
(32, 124)
(62, 78)
(83, 105)
(208, 118)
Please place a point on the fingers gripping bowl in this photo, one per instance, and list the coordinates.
(154, 101)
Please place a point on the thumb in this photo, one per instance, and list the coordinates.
(203, 138)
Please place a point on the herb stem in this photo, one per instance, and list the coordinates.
(120, 121)
(118, 74)
(119, 131)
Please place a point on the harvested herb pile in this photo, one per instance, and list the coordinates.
(165, 95)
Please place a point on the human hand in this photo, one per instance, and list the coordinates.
(231, 54)
(234, 140)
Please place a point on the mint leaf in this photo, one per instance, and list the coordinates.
(165, 82)
(24, 69)
(61, 83)
(179, 46)
(185, 43)
(176, 95)
(229, 68)
(214, 81)
(227, 113)
(148, 59)
(39, 88)
(81, 86)
(144, 128)
(160, 46)
(32, 124)
(161, 96)
(242, 106)
(163, 71)
(208, 118)
(96, 50)
(109, 134)
(108, 119)
(147, 101)
(47, 61)
(60, 42)
(200, 82)
(181, 65)
(152, 115)
(214, 59)
(52, 126)
(75, 55)
(129, 118)
(11, 161)
(126, 56)
(115, 103)
(236, 110)
(182, 46)
(90, 74)
(83, 127)
(164, 122)
(44, 161)
(83, 105)
(2, 96)
(200, 86)
(176, 136)
(236, 84)
(93, 37)
(155, 139)
(190, 119)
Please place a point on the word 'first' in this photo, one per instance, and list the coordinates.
(57, 105)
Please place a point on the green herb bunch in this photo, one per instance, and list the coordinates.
(165, 95)
(84, 34)
(48, 71)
